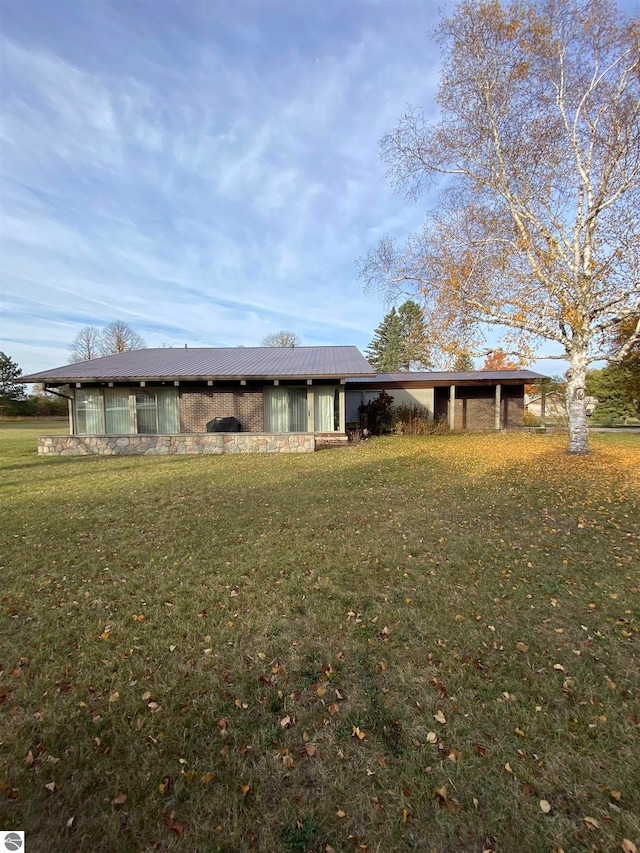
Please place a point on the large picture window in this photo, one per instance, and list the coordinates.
(125, 411)
(285, 409)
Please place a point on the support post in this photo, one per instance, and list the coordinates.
(311, 408)
(452, 407)
(342, 427)
(497, 407)
(543, 402)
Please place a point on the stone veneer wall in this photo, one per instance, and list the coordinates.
(157, 445)
(197, 408)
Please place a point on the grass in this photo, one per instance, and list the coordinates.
(406, 645)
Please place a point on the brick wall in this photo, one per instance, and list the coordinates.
(475, 408)
(197, 408)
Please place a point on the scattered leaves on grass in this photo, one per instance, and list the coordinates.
(357, 732)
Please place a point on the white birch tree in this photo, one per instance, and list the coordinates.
(537, 150)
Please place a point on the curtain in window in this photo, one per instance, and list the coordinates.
(297, 409)
(146, 412)
(117, 411)
(168, 411)
(324, 409)
(89, 412)
(276, 410)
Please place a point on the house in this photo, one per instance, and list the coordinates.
(253, 399)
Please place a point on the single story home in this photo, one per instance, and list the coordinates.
(253, 399)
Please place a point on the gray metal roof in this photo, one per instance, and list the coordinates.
(451, 377)
(212, 363)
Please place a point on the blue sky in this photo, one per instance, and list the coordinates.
(205, 170)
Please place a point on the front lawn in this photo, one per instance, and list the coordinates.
(423, 643)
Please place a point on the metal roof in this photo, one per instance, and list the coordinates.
(450, 377)
(212, 363)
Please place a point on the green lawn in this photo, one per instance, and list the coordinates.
(421, 643)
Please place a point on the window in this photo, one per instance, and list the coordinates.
(285, 409)
(326, 411)
(123, 411)
(117, 411)
(89, 412)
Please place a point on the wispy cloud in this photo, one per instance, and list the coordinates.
(210, 180)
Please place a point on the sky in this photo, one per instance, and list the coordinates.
(206, 170)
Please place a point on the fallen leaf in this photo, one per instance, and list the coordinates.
(50, 786)
(628, 846)
(508, 768)
(558, 666)
(522, 647)
(245, 789)
(432, 737)
(70, 822)
(591, 823)
(120, 800)
(545, 806)
(440, 717)
(357, 732)
(340, 813)
(285, 721)
(310, 749)
(29, 759)
(114, 696)
(165, 785)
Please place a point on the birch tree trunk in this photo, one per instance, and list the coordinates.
(576, 403)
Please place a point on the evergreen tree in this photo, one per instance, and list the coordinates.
(463, 362)
(383, 353)
(415, 351)
(400, 341)
(10, 387)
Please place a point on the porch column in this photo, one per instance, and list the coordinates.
(452, 407)
(342, 427)
(497, 407)
(71, 417)
(543, 402)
